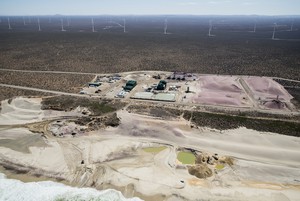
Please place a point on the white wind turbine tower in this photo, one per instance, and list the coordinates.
(24, 21)
(254, 28)
(124, 25)
(166, 26)
(62, 24)
(93, 25)
(292, 25)
(209, 29)
(274, 30)
(68, 21)
(9, 27)
(38, 20)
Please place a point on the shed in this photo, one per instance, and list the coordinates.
(161, 85)
(130, 85)
(94, 84)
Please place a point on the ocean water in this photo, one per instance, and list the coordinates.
(15, 190)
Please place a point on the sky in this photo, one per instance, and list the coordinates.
(146, 7)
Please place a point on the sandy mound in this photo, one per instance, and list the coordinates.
(200, 170)
(21, 110)
(267, 88)
(219, 90)
(220, 83)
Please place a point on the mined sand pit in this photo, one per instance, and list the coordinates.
(114, 156)
(63, 128)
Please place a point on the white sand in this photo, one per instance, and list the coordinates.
(50, 159)
(21, 110)
(27, 110)
(13, 133)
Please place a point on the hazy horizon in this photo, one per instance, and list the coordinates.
(87, 15)
(153, 7)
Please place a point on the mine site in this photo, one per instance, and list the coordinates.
(92, 110)
(182, 133)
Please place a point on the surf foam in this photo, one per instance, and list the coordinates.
(15, 190)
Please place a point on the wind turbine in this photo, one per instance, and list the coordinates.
(62, 24)
(68, 21)
(93, 25)
(49, 19)
(209, 29)
(166, 26)
(9, 27)
(24, 21)
(124, 25)
(254, 28)
(273, 36)
(38, 20)
(292, 25)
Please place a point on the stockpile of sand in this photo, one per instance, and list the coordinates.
(219, 90)
(266, 88)
(23, 110)
(20, 110)
(271, 94)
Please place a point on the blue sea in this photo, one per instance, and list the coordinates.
(15, 190)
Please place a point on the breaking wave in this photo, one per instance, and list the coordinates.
(15, 190)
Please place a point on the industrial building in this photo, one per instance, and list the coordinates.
(161, 85)
(94, 84)
(168, 97)
(130, 85)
